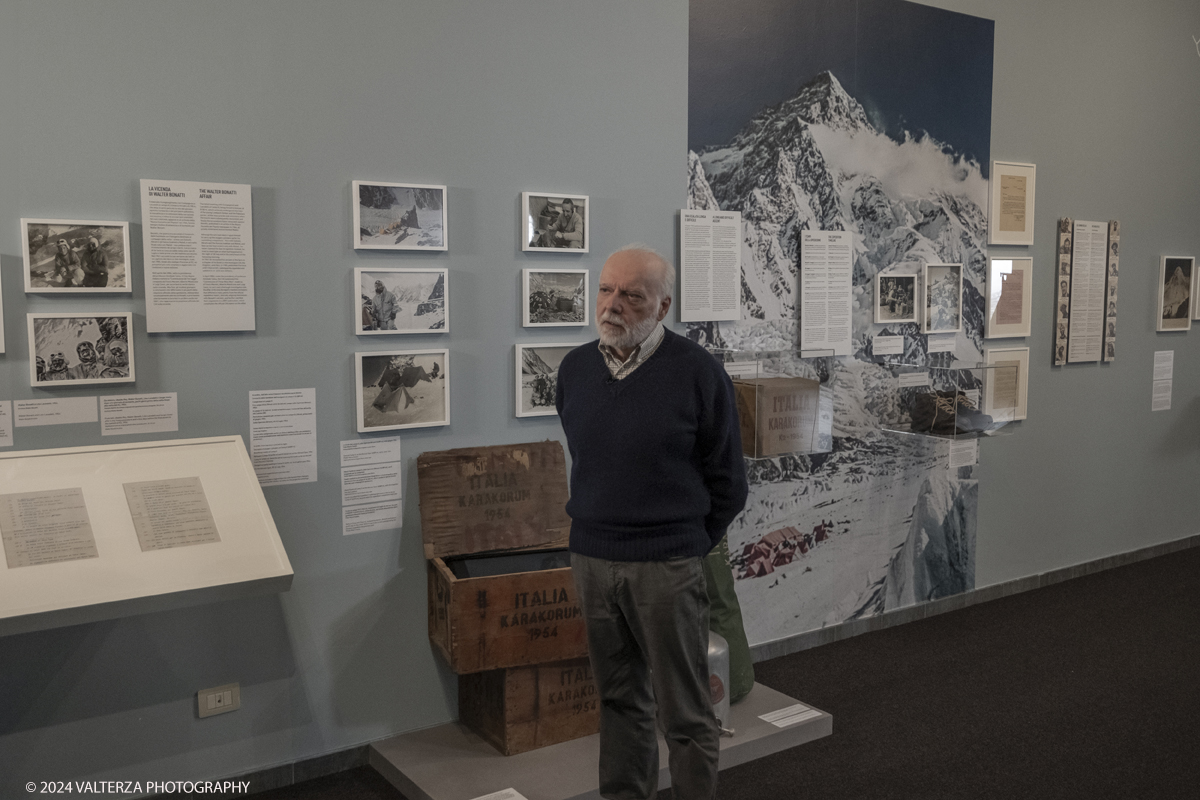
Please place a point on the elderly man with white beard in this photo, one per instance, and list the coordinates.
(656, 477)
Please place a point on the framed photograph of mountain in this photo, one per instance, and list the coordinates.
(537, 377)
(943, 298)
(895, 298)
(1010, 203)
(399, 389)
(398, 216)
(80, 349)
(553, 298)
(554, 222)
(64, 256)
(1006, 387)
(400, 301)
(1010, 297)
(1175, 293)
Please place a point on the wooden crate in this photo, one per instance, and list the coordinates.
(778, 415)
(523, 708)
(502, 499)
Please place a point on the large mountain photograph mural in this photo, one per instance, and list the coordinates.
(871, 117)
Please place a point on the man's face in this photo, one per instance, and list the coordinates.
(86, 352)
(117, 354)
(93, 245)
(627, 302)
(567, 207)
(378, 287)
(62, 246)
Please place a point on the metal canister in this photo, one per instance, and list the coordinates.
(718, 678)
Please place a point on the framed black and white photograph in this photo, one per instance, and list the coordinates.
(1010, 297)
(1175, 293)
(943, 298)
(400, 301)
(537, 377)
(1010, 203)
(895, 298)
(400, 389)
(398, 216)
(554, 297)
(65, 256)
(551, 222)
(1006, 386)
(79, 349)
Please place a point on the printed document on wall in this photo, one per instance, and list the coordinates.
(1085, 333)
(826, 291)
(198, 244)
(710, 280)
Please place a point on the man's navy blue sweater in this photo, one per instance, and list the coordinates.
(656, 458)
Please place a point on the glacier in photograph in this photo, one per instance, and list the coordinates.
(881, 522)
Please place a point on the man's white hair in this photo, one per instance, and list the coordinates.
(666, 273)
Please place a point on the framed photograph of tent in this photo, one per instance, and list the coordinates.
(1009, 297)
(80, 349)
(552, 298)
(895, 298)
(398, 216)
(1010, 203)
(64, 256)
(553, 222)
(399, 389)
(537, 377)
(1175, 282)
(390, 301)
(943, 298)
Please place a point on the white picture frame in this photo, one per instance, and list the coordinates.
(1009, 298)
(60, 344)
(419, 301)
(543, 229)
(405, 406)
(943, 298)
(1003, 356)
(546, 294)
(44, 274)
(1013, 186)
(380, 227)
(1176, 277)
(536, 384)
(896, 298)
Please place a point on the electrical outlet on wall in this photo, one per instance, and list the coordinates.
(219, 700)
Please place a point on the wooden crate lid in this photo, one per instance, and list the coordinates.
(506, 497)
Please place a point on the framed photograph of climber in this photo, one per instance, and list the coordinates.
(555, 223)
(552, 298)
(400, 389)
(80, 349)
(400, 301)
(1175, 293)
(943, 298)
(537, 377)
(895, 298)
(65, 256)
(398, 216)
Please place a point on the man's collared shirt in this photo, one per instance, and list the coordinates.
(622, 369)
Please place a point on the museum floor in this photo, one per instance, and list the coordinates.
(1087, 688)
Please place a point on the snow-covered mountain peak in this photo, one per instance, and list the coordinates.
(823, 101)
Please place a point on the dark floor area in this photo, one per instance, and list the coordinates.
(1089, 688)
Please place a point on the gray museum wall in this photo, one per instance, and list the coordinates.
(491, 99)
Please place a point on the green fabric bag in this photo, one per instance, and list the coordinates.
(725, 617)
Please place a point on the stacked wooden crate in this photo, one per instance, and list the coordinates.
(502, 605)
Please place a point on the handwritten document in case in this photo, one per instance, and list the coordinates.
(170, 513)
(45, 527)
(711, 268)
(826, 291)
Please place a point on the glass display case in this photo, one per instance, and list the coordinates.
(961, 401)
